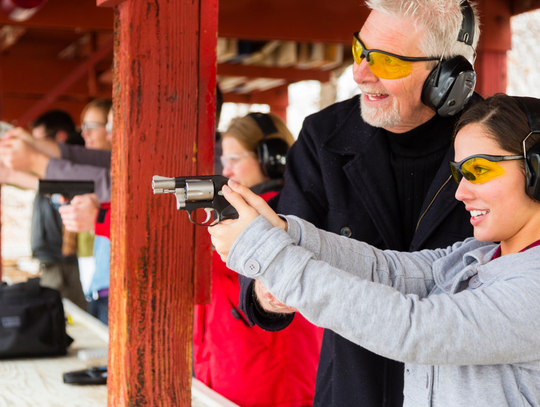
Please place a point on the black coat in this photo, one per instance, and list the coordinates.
(339, 177)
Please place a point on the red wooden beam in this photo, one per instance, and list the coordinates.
(299, 20)
(496, 31)
(290, 74)
(160, 84)
(206, 140)
(108, 3)
(37, 76)
(524, 6)
(495, 41)
(12, 107)
(277, 98)
(68, 14)
(76, 75)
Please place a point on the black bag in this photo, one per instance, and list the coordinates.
(32, 321)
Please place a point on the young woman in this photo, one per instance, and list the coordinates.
(93, 124)
(465, 319)
(247, 365)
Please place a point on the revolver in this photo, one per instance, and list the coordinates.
(195, 193)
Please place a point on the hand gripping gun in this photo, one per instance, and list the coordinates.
(195, 193)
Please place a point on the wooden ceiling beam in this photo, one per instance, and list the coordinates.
(299, 20)
(272, 96)
(68, 14)
(13, 106)
(524, 6)
(290, 74)
(65, 84)
(9, 35)
(20, 75)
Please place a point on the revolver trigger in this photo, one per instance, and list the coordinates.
(209, 213)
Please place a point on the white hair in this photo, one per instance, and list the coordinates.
(439, 19)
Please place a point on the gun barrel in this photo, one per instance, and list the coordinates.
(164, 185)
(66, 188)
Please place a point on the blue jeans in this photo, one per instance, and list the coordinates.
(100, 309)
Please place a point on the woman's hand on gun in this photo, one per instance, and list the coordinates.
(249, 206)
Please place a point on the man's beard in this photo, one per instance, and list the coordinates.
(382, 117)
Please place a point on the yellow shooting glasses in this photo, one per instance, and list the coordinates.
(384, 65)
(480, 168)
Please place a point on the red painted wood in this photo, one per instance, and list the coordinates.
(72, 14)
(277, 98)
(37, 76)
(491, 69)
(289, 74)
(108, 3)
(524, 6)
(206, 140)
(495, 25)
(299, 20)
(156, 92)
(76, 75)
(495, 41)
(12, 107)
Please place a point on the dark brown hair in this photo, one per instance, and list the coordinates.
(503, 120)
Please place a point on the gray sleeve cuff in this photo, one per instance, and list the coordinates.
(256, 248)
(293, 228)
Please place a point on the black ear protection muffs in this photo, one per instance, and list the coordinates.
(451, 84)
(531, 107)
(270, 152)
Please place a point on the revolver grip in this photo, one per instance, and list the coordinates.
(228, 213)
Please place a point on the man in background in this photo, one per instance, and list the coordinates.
(51, 244)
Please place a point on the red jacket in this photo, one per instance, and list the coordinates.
(247, 365)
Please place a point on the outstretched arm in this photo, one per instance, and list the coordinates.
(17, 178)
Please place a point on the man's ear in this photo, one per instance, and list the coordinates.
(61, 136)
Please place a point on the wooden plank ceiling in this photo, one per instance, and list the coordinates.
(262, 45)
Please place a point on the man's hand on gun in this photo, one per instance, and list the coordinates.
(80, 215)
(249, 206)
(270, 303)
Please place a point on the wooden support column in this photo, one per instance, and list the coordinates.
(495, 41)
(163, 94)
(280, 101)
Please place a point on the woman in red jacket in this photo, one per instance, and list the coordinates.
(245, 364)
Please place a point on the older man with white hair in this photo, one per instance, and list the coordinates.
(382, 176)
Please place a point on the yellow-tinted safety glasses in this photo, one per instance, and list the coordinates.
(480, 168)
(383, 64)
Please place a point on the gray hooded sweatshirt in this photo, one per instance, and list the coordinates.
(466, 326)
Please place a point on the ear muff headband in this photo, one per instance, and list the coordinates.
(451, 84)
(265, 123)
(271, 153)
(531, 107)
(466, 34)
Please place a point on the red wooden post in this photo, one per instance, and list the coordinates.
(164, 86)
(495, 41)
(205, 146)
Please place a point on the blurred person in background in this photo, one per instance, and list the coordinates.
(86, 213)
(93, 124)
